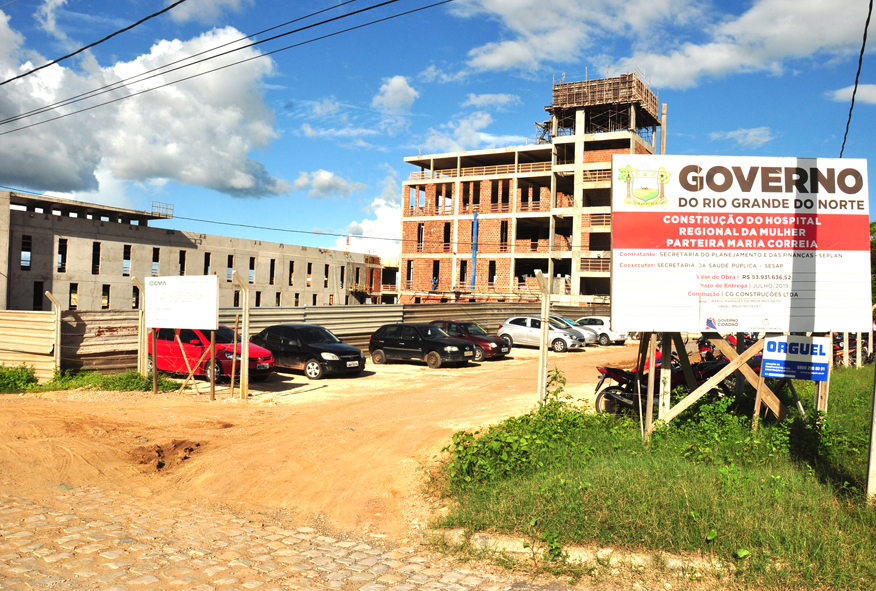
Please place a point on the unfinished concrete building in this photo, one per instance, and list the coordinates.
(86, 255)
(476, 225)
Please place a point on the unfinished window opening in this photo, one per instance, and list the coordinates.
(357, 274)
(182, 263)
(62, 255)
(230, 270)
(314, 299)
(277, 299)
(37, 295)
(126, 261)
(26, 246)
(207, 258)
(95, 258)
(105, 297)
(273, 268)
(436, 274)
(291, 272)
(503, 236)
(135, 298)
(252, 269)
(505, 195)
(491, 273)
(476, 196)
(446, 236)
(326, 277)
(297, 299)
(494, 195)
(331, 299)
(346, 300)
(156, 253)
(409, 274)
(466, 196)
(236, 298)
(73, 297)
(342, 275)
(309, 273)
(258, 302)
(463, 272)
(421, 236)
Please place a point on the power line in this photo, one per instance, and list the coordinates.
(81, 49)
(8, 3)
(857, 76)
(243, 60)
(140, 77)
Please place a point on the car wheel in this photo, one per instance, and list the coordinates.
(559, 345)
(378, 357)
(479, 354)
(218, 368)
(433, 359)
(508, 339)
(604, 340)
(312, 369)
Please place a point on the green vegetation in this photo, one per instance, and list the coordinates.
(17, 379)
(784, 504)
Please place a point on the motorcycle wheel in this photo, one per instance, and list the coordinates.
(605, 404)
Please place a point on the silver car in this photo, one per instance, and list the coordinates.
(526, 330)
(590, 336)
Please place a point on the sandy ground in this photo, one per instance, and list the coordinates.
(349, 453)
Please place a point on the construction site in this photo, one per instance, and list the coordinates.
(476, 225)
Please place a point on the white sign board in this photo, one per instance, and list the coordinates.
(182, 302)
(797, 357)
(727, 244)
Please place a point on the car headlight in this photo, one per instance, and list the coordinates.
(493, 345)
(230, 355)
(329, 356)
(451, 348)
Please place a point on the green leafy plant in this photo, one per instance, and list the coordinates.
(16, 378)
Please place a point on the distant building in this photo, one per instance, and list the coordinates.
(86, 255)
(545, 206)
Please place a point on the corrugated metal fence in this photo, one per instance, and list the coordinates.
(28, 338)
(106, 340)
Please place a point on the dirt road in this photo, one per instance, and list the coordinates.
(348, 453)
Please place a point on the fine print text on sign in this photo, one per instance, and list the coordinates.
(182, 302)
(797, 357)
(727, 244)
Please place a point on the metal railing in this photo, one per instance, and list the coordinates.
(595, 264)
(499, 169)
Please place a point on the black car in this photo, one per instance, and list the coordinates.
(418, 341)
(310, 347)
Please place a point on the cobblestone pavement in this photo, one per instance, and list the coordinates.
(89, 538)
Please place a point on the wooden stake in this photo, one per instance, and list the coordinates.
(234, 352)
(212, 365)
(652, 369)
(188, 367)
(757, 400)
(154, 361)
(192, 371)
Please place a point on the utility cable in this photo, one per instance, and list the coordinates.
(81, 49)
(134, 79)
(8, 3)
(237, 62)
(857, 76)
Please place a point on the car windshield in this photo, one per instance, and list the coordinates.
(564, 320)
(430, 331)
(557, 325)
(224, 335)
(313, 335)
(473, 329)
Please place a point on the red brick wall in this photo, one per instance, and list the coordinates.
(591, 156)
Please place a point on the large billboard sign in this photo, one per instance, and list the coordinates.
(727, 244)
(182, 302)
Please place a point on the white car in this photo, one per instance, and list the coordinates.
(601, 325)
(590, 335)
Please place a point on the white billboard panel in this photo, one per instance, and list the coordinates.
(182, 302)
(727, 244)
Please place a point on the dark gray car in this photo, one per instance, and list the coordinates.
(311, 348)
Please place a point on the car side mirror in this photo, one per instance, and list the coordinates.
(194, 342)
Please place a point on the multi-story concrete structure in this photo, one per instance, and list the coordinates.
(86, 256)
(545, 206)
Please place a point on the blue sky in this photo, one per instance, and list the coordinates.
(313, 138)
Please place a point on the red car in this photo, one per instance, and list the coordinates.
(486, 346)
(194, 343)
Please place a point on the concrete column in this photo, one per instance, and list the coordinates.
(632, 129)
(663, 130)
(4, 250)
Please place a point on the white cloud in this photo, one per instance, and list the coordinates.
(326, 106)
(205, 11)
(47, 20)
(321, 184)
(498, 101)
(396, 96)
(199, 132)
(747, 138)
(380, 235)
(866, 94)
(467, 133)
(677, 42)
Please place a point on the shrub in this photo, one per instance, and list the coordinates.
(17, 378)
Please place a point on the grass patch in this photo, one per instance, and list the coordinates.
(785, 504)
(17, 379)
